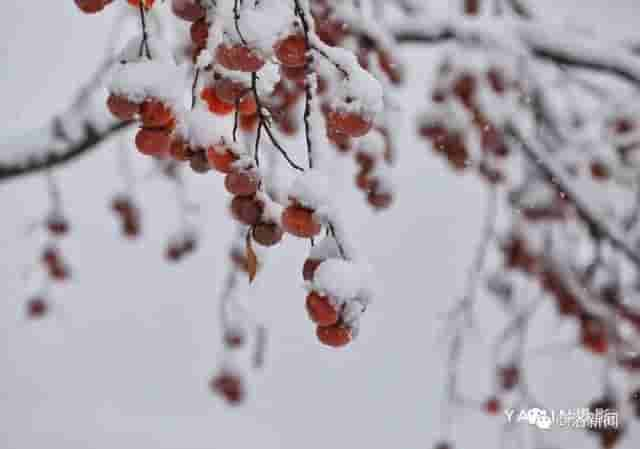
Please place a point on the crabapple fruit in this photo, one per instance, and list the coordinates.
(349, 123)
(309, 268)
(234, 338)
(292, 51)
(221, 161)
(230, 91)
(146, 3)
(238, 57)
(57, 226)
(248, 105)
(492, 405)
(379, 200)
(122, 108)
(320, 310)
(199, 162)
(299, 221)
(215, 104)
(153, 142)
(91, 6)
(37, 308)
(189, 10)
(247, 209)
(336, 335)
(199, 32)
(229, 386)
(267, 234)
(244, 183)
(155, 114)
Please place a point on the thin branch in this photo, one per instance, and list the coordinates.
(542, 41)
(598, 227)
(49, 158)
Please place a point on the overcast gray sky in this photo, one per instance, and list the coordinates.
(125, 358)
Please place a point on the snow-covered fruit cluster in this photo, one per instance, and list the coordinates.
(128, 214)
(54, 266)
(338, 293)
(254, 66)
(470, 103)
(266, 70)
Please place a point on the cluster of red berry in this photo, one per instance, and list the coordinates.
(519, 256)
(180, 247)
(462, 88)
(57, 269)
(229, 385)
(129, 215)
(374, 153)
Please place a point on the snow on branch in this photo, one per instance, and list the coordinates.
(599, 227)
(46, 148)
(543, 41)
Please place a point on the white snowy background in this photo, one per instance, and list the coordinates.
(124, 359)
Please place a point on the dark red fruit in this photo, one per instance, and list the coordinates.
(246, 209)
(244, 183)
(267, 234)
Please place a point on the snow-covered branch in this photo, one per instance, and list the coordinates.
(49, 147)
(539, 40)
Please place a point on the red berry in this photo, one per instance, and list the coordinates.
(238, 57)
(309, 268)
(234, 338)
(243, 183)
(189, 10)
(50, 256)
(221, 160)
(297, 74)
(58, 226)
(121, 205)
(230, 91)
(292, 51)
(380, 200)
(179, 149)
(199, 162)
(299, 221)
(248, 105)
(246, 209)
(248, 123)
(123, 108)
(492, 406)
(472, 7)
(336, 335)
(229, 386)
(153, 142)
(174, 252)
(199, 32)
(131, 227)
(155, 114)
(59, 272)
(267, 234)
(37, 308)
(320, 310)
(91, 6)
(599, 171)
(214, 103)
(350, 123)
(146, 3)
(464, 88)
(509, 376)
